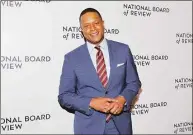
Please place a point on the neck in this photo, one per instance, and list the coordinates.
(96, 44)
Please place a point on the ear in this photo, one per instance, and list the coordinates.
(103, 23)
(81, 32)
(81, 27)
(83, 36)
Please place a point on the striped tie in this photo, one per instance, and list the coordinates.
(101, 67)
(102, 73)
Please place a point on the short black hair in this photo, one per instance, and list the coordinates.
(89, 10)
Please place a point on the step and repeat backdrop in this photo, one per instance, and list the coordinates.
(36, 34)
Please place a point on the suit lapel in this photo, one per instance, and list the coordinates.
(112, 62)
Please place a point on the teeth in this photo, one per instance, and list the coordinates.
(94, 33)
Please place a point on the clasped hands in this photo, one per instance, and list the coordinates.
(108, 105)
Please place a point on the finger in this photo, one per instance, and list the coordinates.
(121, 107)
(107, 104)
(119, 110)
(114, 109)
(114, 100)
(110, 100)
(105, 109)
(108, 108)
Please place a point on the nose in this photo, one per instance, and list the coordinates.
(92, 27)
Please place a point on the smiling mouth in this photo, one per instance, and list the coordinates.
(94, 34)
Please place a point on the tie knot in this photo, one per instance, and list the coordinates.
(97, 47)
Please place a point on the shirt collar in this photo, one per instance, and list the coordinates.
(103, 45)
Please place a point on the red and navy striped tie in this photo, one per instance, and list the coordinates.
(101, 67)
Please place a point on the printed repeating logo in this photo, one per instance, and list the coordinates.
(184, 38)
(142, 10)
(183, 128)
(17, 62)
(16, 123)
(142, 109)
(146, 60)
(17, 4)
(74, 32)
(183, 83)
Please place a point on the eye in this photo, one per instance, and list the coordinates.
(86, 26)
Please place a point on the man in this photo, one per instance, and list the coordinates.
(99, 81)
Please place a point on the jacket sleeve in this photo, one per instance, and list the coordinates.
(133, 84)
(68, 97)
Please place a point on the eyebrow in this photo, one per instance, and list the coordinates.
(92, 22)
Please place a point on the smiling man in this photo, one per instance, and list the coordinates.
(99, 81)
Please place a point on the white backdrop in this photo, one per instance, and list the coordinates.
(35, 36)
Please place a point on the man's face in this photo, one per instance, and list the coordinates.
(92, 27)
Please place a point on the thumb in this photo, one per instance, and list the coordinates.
(109, 100)
(112, 100)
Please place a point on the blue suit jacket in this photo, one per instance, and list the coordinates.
(79, 83)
